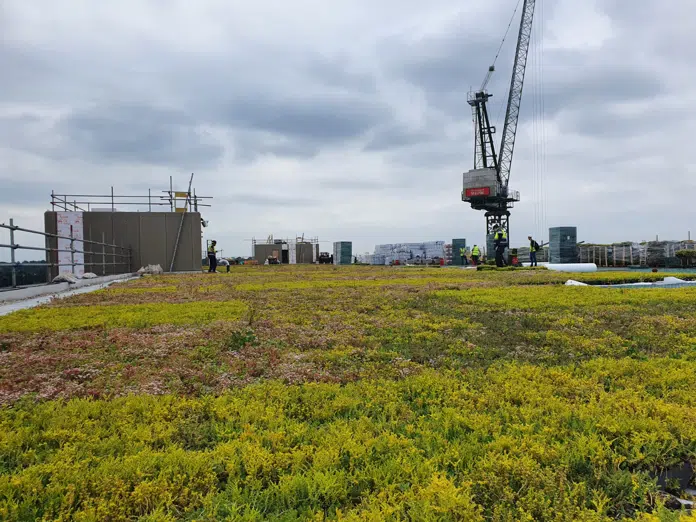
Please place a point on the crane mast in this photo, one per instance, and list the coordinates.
(486, 186)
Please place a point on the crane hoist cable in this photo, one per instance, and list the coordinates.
(512, 19)
(539, 140)
(497, 54)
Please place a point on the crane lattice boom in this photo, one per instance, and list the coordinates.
(512, 113)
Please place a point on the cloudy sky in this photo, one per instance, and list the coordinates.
(348, 120)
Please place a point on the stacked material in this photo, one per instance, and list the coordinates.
(448, 254)
(411, 252)
(343, 253)
(372, 259)
(292, 252)
(563, 245)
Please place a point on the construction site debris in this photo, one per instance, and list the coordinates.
(667, 282)
(151, 270)
(572, 282)
(65, 277)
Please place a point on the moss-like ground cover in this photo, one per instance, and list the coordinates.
(351, 393)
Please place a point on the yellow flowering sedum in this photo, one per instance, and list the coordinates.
(348, 393)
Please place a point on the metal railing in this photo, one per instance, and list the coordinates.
(172, 199)
(125, 255)
(646, 254)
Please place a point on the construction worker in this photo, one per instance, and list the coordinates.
(462, 254)
(475, 254)
(500, 243)
(533, 249)
(212, 257)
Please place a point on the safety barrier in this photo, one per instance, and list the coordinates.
(120, 256)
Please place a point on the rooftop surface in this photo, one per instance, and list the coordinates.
(347, 393)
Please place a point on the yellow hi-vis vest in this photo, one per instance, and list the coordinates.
(211, 249)
(501, 235)
(475, 251)
(462, 252)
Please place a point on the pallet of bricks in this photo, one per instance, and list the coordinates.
(343, 253)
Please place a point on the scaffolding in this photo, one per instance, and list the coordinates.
(270, 240)
(177, 201)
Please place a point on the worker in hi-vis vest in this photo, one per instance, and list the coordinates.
(475, 254)
(212, 257)
(462, 254)
(500, 243)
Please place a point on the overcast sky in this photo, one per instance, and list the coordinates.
(348, 119)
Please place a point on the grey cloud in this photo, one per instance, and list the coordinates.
(19, 192)
(447, 70)
(261, 200)
(28, 72)
(455, 64)
(320, 119)
(595, 84)
(583, 79)
(22, 132)
(395, 136)
(338, 71)
(318, 100)
(613, 127)
(447, 66)
(639, 12)
(139, 134)
(250, 145)
(358, 184)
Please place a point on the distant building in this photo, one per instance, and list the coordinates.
(286, 251)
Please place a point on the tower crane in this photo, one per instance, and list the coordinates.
(485, 187)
